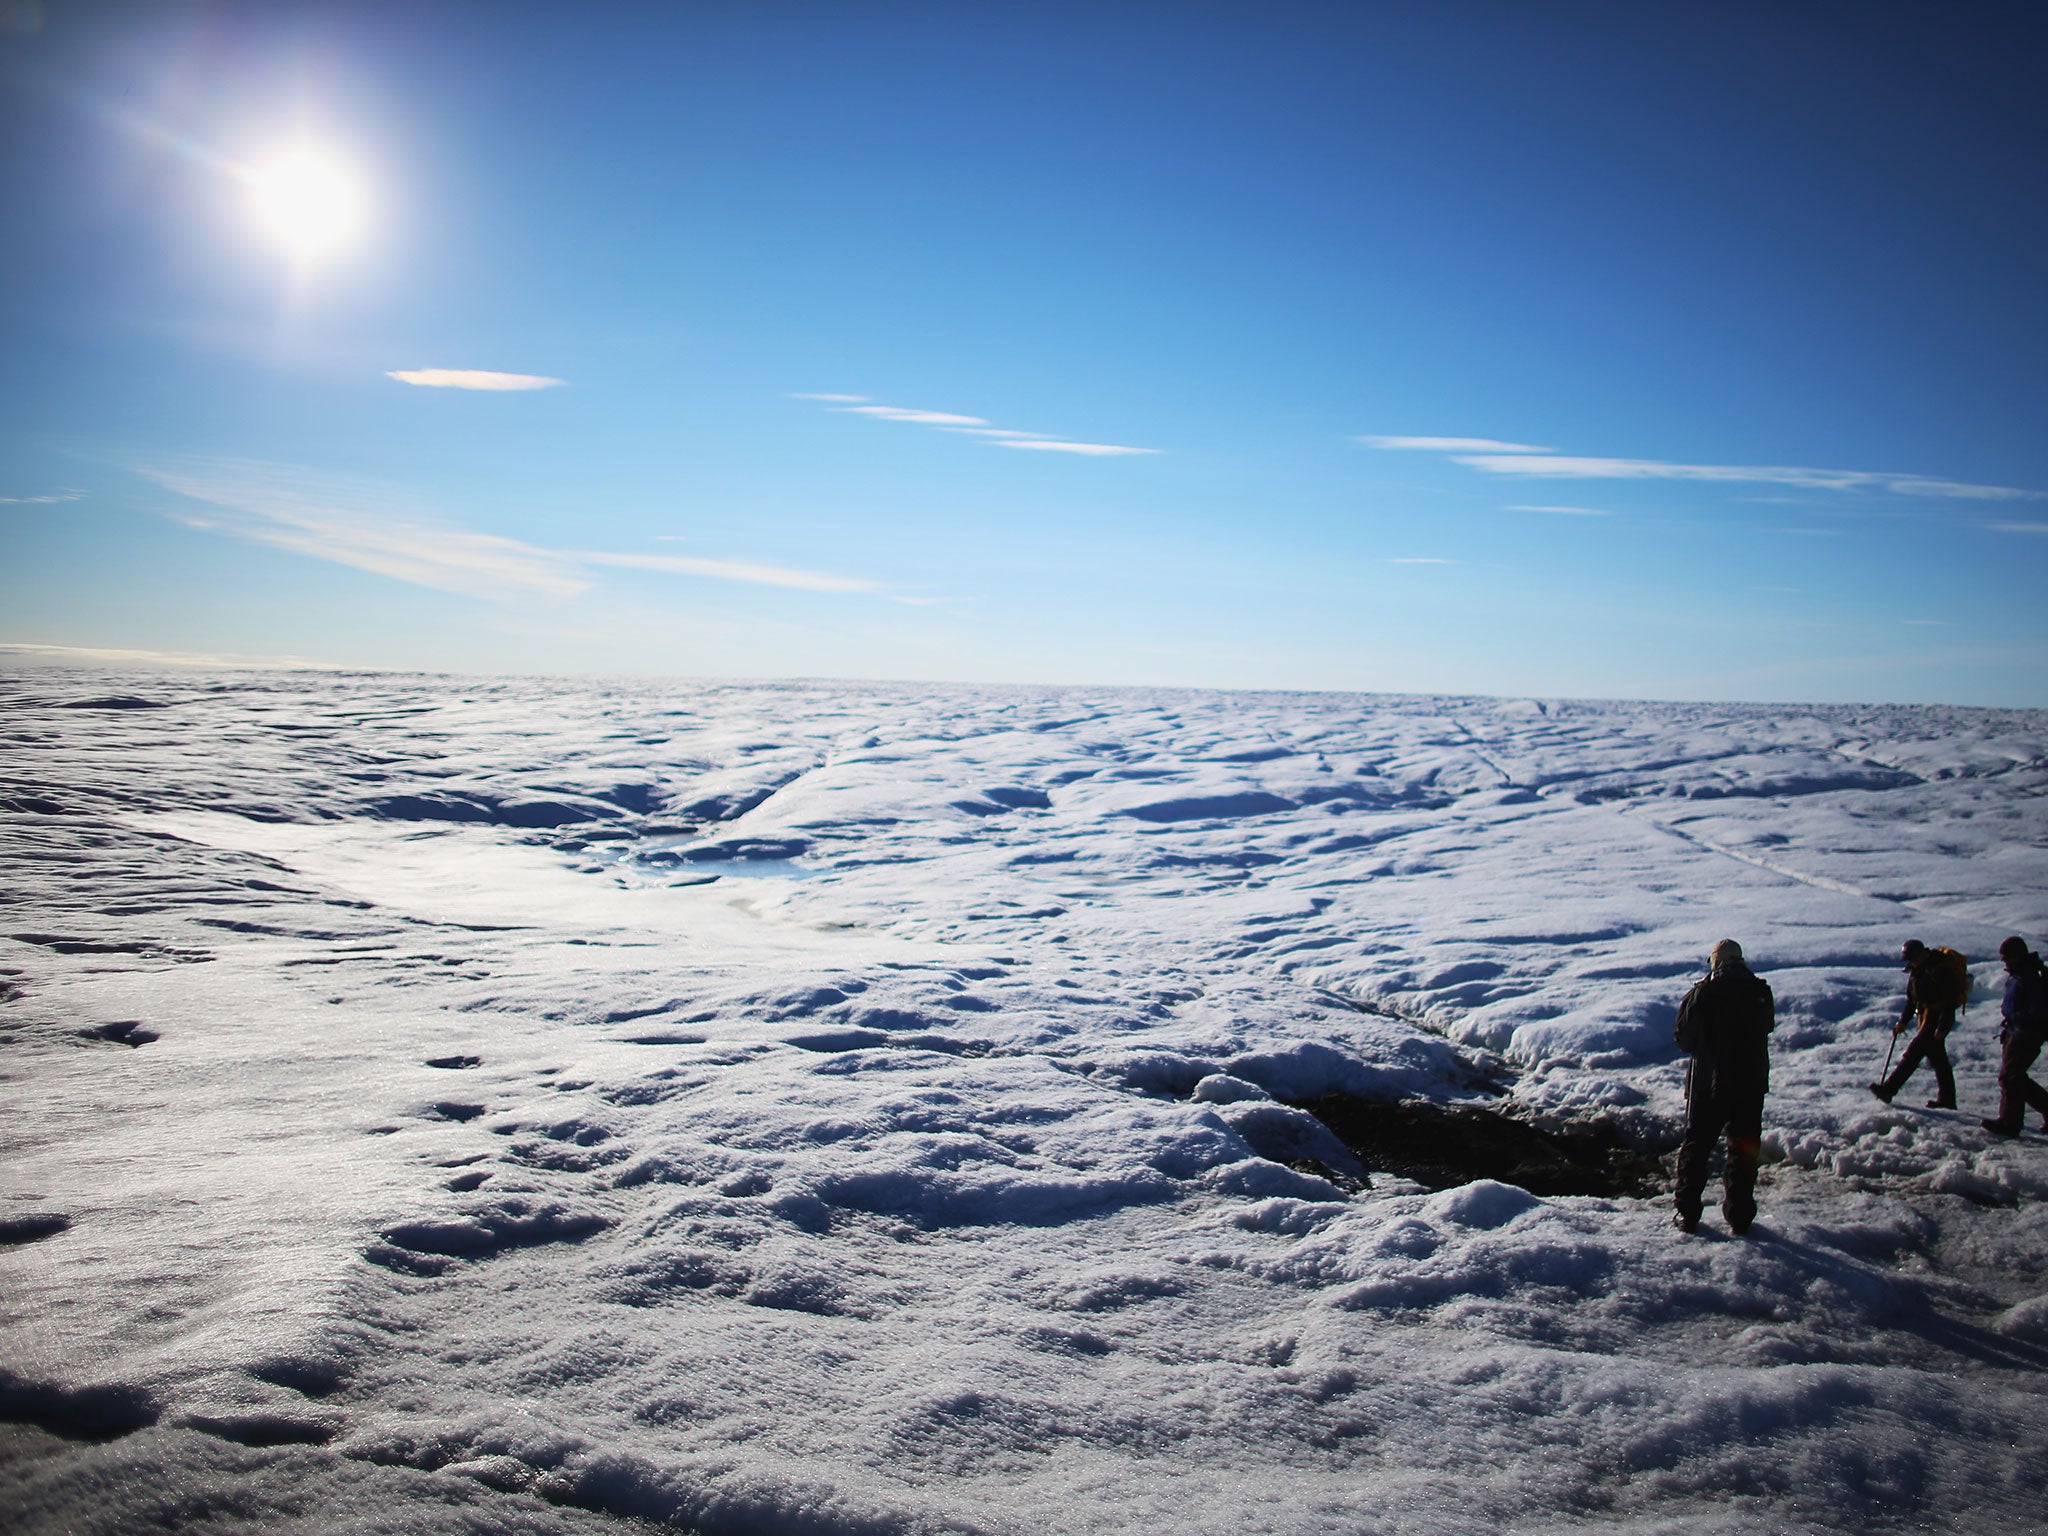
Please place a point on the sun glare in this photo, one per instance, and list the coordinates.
(309, 200)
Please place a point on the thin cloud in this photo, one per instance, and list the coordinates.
(1564, 511)
(1418, 560)
(471, 378)
(1571, 468)
(89, 655)
(372, 529)
(1450, 444)
(55, 498)
(903, 413)
(1051, 445)
(364, 527)
(732, 570)
(976, 426)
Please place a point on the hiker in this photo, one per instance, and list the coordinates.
(1937, 984)
(2025, 1028)
(1724, 1025)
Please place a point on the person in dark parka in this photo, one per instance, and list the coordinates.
(2024, 1031)
(1724, 1025)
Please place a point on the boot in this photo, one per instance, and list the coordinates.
(2003, 1127)
(1881, 1093)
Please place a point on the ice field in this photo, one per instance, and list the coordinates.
(479, 1105)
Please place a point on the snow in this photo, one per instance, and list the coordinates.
(445, 1104)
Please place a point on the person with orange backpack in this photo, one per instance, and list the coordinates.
(1937, 986)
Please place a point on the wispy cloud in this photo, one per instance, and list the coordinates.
(1563, 511)
(373, 528)
(1450, 444)
(1560, 467)
(1418, 560)
(88, 655)
(471, 378)
(1054, 445)
(974, 426)
(365, 527)
(51, 500)
(904, 413)
(732, 570)
(1532, 463)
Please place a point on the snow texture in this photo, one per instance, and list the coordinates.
(456, 1105)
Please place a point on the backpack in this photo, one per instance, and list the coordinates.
(2030, 1018)
(1949, 971)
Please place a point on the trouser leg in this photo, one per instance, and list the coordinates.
(2035, 1095)
(2016, 1090)
(1929, 1045)
(1944, 1073)
(1738, 1183)
(1703, 1123)
(1916, 1052)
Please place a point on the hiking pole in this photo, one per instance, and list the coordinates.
(1897, 1030)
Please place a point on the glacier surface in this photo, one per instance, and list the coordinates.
(456, 1105)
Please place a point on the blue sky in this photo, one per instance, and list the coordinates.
(1617, 350)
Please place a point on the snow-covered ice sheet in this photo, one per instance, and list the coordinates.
(439, 1104)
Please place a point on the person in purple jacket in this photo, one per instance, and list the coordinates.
(2025, 1028)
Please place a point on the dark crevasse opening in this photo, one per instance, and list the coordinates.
(1441, 1146)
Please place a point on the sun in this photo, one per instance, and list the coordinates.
(309, 199)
